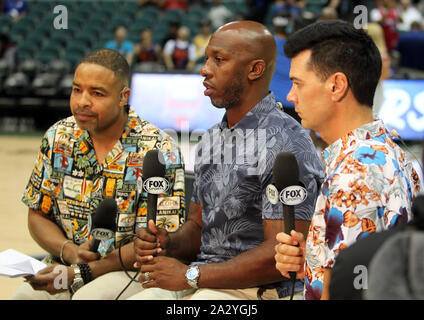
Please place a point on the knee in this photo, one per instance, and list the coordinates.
(24, 292)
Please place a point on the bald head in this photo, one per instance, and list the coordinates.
(240, 62)
(251, 41)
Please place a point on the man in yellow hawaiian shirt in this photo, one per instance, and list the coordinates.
(96, 153)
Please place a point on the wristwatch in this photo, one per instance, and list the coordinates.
(78, 281)
(192, 275)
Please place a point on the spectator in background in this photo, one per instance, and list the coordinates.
(180, 54)
(329, 13)
(408, 14)
(146, 50)
(281, 83)
(173, 4)
(201, 40)
(417, 26)
(121, 44)
(173, 27)
(313, 6)
(219, 14)
(387, 16)
(375, 31)
(15, 8)
(148, 3)
(286, 7)
(8, 52)
(257, 10)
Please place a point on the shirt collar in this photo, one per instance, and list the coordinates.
(373, 130)
(252, 118)
(84, 136)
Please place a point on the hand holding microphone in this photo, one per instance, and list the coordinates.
(152, 240)
(103, 223)
(290, 252)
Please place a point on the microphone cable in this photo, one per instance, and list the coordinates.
(132, 278)
(293, 283)
(395, 134)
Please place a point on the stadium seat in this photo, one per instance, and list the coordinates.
(5, 69)
(84, 38)
(65, 85)
(149, 11)
(52, 47)
(73, 58)
(30, 68)
(44, 57)
(35, 40)
(61, 38)
(21, 30)
(119, 21)
(45, 84)
(58, 66)
(87, 8)
(77, 47)
(16, 84)
(92, 30)
(25, 50)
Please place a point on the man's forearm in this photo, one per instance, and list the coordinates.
(48, 235)
(185, 243)
(112, 262)
(249, 269)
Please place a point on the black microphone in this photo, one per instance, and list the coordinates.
(154, 181)
(418, 212)
(285, 175)
(103, 222)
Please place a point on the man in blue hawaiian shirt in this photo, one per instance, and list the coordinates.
(229, 237)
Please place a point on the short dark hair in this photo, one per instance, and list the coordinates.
(112, 60)
(339, 47)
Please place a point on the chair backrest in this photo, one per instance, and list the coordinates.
(189, 180)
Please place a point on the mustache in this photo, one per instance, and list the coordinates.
(84, 111)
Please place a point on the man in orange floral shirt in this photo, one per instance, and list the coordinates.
(370, 183)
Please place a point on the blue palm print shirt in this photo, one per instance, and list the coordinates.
(232, 170)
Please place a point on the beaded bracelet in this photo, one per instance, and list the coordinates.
(86, 274)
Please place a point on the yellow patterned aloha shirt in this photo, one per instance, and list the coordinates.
(67, 183)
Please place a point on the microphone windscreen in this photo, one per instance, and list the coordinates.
(105, 215)
(153, 164)
(418, 211)
(285, 171)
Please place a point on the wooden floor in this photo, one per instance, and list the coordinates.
(17, 156)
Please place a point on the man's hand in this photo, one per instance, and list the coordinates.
(74, 253)
(50, 279)
(290, 254)
(165, 273)
(84, 254)
(147, 245)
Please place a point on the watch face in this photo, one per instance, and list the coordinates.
(192, 273)
(77, 285)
